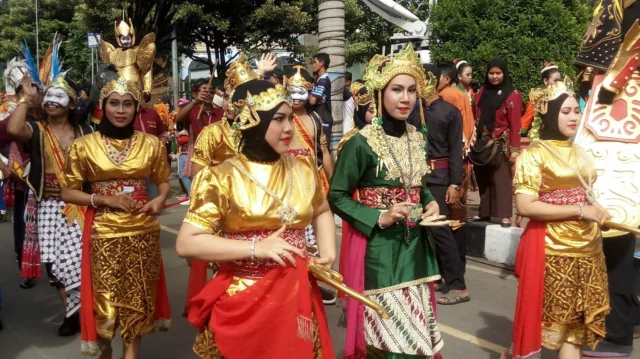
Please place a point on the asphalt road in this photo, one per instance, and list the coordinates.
(479, 329)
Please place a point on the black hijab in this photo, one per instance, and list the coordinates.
(360, 114)
(493, 96)
(550, 129)
(253, 143)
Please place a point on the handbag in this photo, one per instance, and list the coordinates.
(487, 152)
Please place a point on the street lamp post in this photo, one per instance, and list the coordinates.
(37, 39)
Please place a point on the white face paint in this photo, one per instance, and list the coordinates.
(56, 96)
(298, 93)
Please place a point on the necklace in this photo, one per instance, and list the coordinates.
(64, 146)
(286, 213)
(117, 157)
(406, 179)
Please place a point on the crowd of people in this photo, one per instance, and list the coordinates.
(256, 171)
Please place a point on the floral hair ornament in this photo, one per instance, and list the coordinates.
(540, 98)
(121, 86)
(549, 65)
(298, 80)
(264, 101)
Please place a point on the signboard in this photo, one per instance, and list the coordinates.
(94, 40)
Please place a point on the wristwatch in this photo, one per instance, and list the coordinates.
(456, 187)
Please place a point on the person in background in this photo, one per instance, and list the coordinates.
(550, 75)
(444, 154)
(320, 99)
(347, 114)
(464, 79)
(498, 109)
(148, 121)
(275, 77)
(182, 141)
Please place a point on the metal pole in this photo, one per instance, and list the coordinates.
(174, 68)
(37, 38)
(92, 77)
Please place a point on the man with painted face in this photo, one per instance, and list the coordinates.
(59, 225)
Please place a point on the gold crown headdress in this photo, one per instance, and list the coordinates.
(265, 101)
(298, 80)
(360, 99)
(239, 72)
(540, 99)
(124, 29)
(121, 86)
(405, 62)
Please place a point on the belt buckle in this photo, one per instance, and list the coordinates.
(432, 164)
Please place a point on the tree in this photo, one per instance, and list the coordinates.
(367, 32)
(525, 33)
(251, 25)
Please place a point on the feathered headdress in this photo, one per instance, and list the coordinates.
(51, 72)
(30, 65)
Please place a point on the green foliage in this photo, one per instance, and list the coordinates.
(251, 25)
(525, 33)
(367, 32)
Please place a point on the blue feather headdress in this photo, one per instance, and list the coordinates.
(31, 66)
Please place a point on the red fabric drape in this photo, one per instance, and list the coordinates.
(530, 262)
(87, 320)
(197, 281)
(270, 319)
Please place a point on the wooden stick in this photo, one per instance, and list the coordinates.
(621, 227)
(210, 81)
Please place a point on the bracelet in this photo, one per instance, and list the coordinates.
(253, 248)
(93, 195)
(379, 219)
(581, 211)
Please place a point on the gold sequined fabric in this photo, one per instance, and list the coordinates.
(225, 199)
(539, 171)
(214, 145)
(88, 161)
(576, 301)
(125, 273)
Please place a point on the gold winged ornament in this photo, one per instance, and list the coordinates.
(134, 63)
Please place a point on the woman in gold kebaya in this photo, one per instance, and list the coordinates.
(249, 214)
(563, 292)
(123, 283)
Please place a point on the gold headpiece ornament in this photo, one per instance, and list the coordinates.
(298, 80)
(239, 72)
(61, 83)
(360, 99)
(405, 62)
(121, 86)
(549, 65)
(540, 98)
(124, 29)
(265, 101)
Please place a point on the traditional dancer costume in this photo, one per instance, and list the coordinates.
(385, 163)
(256, 308)
(562, 295)
(123, 284)
(59, 224)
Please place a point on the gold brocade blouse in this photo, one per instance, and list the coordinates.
(214, 145)
(224, 199)
(539, 171)
(88, 161)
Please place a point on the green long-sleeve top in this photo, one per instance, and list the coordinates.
(390, 262)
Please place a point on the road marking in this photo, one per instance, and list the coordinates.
(444, 328)
(471, 339)
(491, 271)
(170, 230)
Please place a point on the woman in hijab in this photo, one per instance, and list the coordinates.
(390, 256)
(560, 263)
(498, 109)
(123, 284)
(363, 113)
(249, 214)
